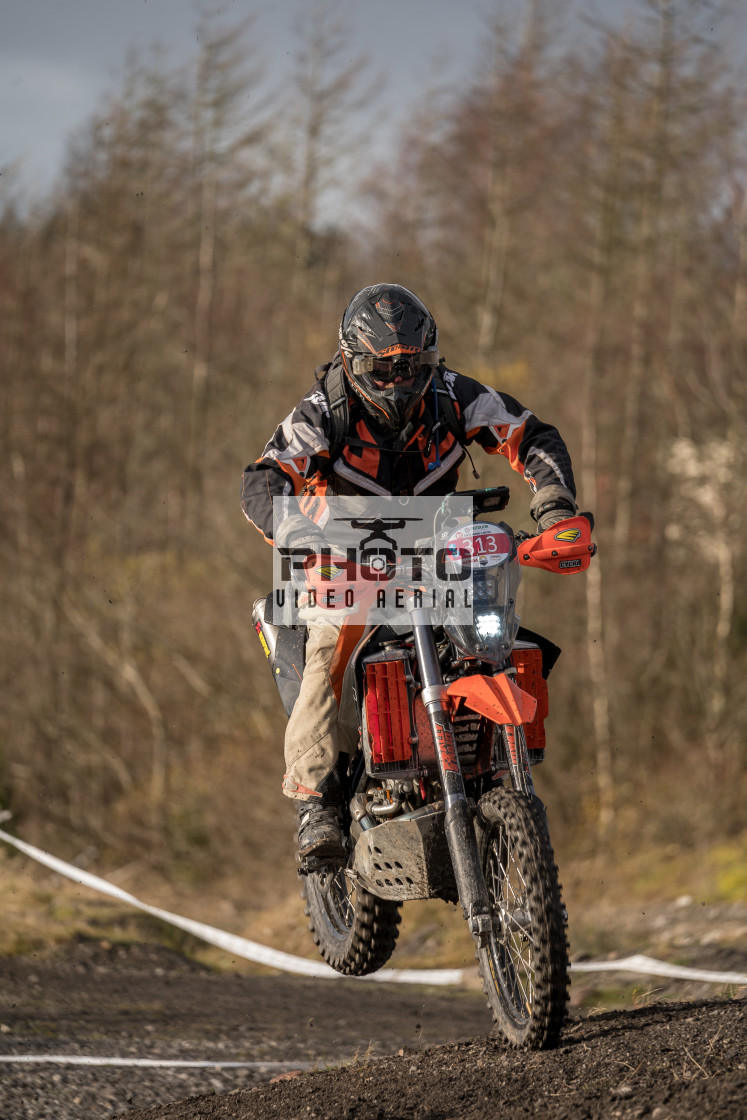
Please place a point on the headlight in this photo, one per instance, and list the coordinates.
(495, 580)
(489, 625)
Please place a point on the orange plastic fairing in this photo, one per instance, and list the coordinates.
(564, 548)
(496, 698)
(528, 665)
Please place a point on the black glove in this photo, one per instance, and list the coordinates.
(552, 517)
(298, 532)
(550, 505)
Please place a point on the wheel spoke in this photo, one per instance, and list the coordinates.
(339, 904)
(524, 966)
(355, 931)
(508, 893)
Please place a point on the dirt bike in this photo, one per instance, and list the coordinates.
(439, 798)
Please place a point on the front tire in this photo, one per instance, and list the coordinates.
(524, 966)
(355, 931)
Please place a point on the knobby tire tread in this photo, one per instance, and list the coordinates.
(526, 823)
(370, 940)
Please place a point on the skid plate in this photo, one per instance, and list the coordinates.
(406, 859)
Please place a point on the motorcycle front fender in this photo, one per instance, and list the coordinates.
(499, 699)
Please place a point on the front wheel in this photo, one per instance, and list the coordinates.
(524, 966)
(355, 931)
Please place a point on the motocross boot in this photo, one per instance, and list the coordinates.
(320, 832)
(320, 824)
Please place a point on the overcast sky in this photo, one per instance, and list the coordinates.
(59, 57)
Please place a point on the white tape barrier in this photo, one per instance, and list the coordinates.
(145, 1063)
(285, 962)
(648, 966)
(231, 943)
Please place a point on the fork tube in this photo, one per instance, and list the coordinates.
(460, 833)
(436, 702)
(518, 759)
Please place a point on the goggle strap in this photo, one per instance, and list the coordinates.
(365, 363)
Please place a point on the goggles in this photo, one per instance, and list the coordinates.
(401, 365)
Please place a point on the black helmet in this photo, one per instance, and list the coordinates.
(386, 332)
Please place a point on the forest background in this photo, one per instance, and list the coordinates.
(577, 222)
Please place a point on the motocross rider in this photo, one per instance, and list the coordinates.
(389, 368)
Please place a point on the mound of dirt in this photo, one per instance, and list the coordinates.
(669, 1062)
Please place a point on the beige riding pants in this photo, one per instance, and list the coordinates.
(315, 736)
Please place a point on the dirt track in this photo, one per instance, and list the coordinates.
(409, 1052)
(670, 1063)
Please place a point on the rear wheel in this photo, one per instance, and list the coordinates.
(524, 966)
(356, 932)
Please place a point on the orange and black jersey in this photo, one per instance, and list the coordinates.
(299, 458)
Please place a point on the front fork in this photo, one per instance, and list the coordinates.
(515, 744)
(460, 832)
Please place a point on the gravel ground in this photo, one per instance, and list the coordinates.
(375, 1051)
(144, 1001)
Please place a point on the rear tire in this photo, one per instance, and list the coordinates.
(524, 967)
(355, 931)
